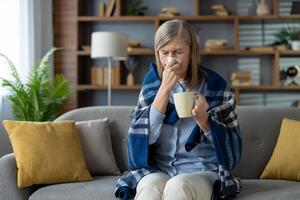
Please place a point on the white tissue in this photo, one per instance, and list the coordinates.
(170, 59)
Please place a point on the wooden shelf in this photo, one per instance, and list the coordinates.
(266, 88)
(116, 19)
(104, 87)
(187, 18)
(250, 53)
(289, 53)
(255, 53)
(130, 53)
(153, 18)
(212, 53)
(268, 17)
(220, 53)
(289, 17)
(262, 88)
(199, 18)
(74, 22)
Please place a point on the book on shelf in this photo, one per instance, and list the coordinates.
(218, 6)
(111, 6)
(134, 43)
(215, 44)
(102, 7)
(241, 83)
(105, 75)
(221, 13)
(219, 9)
(241, 74)
(216, 48)
(241, 78)
(118, 8)
(139, 50)
(169, 11)
(114, 80)
(99, 75)
(117, 75)
(86, 48)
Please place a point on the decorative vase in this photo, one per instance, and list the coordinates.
(130, 79)
(262, 8)
(295, 45)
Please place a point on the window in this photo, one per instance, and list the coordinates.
(10, 35)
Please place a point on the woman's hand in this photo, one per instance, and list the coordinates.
(200, 114)
(171, 75)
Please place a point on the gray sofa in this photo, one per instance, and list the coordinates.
(259, 127)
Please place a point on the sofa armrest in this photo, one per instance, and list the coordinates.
(8, 180)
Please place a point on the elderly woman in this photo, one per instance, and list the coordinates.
(181, 158)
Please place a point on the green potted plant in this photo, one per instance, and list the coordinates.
(41, 97)
(289, 36)
(283, 37)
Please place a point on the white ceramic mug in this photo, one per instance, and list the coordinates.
(184, 103)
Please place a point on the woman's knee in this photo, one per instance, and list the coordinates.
(179, 187)
(151, 186)
(187, 187)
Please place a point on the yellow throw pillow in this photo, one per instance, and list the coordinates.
(47, 152)
(285, 160)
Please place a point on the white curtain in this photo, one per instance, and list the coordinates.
(28, 38)
(38, 31)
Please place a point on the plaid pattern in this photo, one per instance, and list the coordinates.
(224, 129)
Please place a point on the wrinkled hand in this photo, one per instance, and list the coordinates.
(200, 114)
(170, 75)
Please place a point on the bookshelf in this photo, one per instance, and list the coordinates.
(74, 22)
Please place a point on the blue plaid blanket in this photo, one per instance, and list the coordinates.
(224, 129)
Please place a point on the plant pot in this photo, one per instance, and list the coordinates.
(295, 45)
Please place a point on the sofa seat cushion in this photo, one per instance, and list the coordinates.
(269, 190)
(102, 187)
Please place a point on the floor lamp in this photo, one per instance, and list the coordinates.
(112, 46)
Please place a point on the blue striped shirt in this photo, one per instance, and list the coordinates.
(168, 142)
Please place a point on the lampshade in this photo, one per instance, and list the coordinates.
(109, 44)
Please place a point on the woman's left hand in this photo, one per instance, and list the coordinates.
(200, 114)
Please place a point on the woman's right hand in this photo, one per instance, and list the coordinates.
(170, 75)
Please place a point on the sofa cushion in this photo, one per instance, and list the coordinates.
(95, 139)
(46, 152)
(119, 117)
(285, 160)
(269, 190)
(101, 187)
(260, 127)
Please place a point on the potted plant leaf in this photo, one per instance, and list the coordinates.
(136, 7)
(41, 96)
(283, 36)
(289, 36)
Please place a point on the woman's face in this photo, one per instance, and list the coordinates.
(179, 49)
